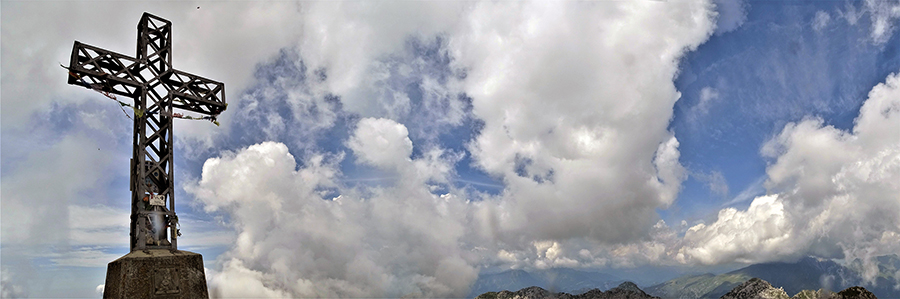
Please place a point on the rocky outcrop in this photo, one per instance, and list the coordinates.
(855, 293)
(626, 290)
(810, 294)
(526, 293)
(849, 293)
(756, 288)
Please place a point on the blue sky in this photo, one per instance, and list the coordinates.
(400, 148)
(774, 69)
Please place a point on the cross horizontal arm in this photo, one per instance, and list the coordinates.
(123, 75)
(194, 93)
(106, 70)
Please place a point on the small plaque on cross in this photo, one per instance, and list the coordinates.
(158, 200)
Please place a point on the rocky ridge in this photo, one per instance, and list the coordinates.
(626, 290)
(756, 288)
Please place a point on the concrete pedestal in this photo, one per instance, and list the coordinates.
(155, 274)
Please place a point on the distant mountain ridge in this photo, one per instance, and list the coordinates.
(753, 288)
(555, 280)
(698, 286)
(626, 290)
(805, 274)
(809, 274)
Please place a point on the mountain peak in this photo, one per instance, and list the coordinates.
(526, 293)
(627, 290)
(756, 288)
(630, 286)
(856, 293)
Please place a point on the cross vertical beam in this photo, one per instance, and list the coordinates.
(153, 139)
(157, 88)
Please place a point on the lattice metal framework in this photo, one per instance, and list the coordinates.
(157, 89)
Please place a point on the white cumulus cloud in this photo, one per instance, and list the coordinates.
(583, 152)
(575, 100)
(396, 241)
(835, 193)
(745, 236)
(381, 142)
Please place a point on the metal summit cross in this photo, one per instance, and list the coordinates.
(157, 88)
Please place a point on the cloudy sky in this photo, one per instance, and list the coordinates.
(400, 148)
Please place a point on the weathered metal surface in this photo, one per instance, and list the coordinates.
(157, 88)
